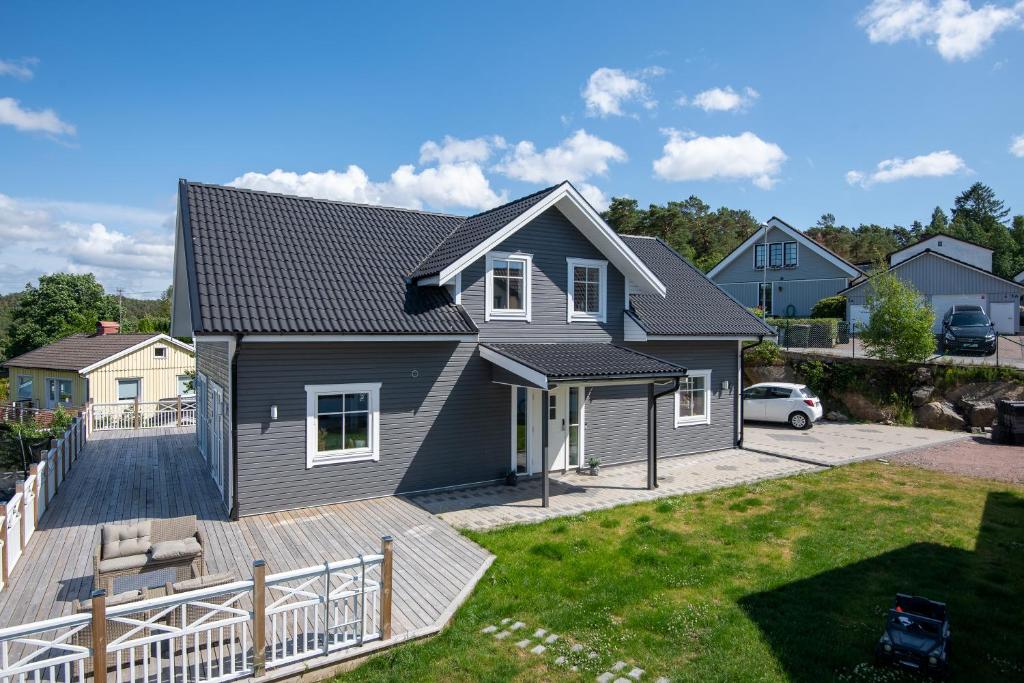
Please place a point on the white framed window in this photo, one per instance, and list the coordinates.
(693, 400)
(759, 255)
(129, 389)
(587, 290)
(24, 388)
(342, 423)
(160, 352)
(183, 384)
(790, 257)
(508, 286)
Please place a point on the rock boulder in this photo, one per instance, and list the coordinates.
(939, 415)
(979, 413)
(862, 408)
(769, 373)
(922, 395)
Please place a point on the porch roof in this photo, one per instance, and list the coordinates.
(542, 365)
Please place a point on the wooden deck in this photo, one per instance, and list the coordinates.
(126, 476)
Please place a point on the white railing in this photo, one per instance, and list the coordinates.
(171, 412)
(20, 516)
(214, 634)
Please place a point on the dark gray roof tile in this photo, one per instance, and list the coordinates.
(587, 360)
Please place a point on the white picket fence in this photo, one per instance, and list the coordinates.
(169, 412)
(210, 635)
(20, 515)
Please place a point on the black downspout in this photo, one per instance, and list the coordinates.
(739, 393)
(545, 486)
(652, 431)
(234, 429)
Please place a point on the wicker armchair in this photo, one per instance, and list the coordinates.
(115, 629)
(154, 546)
(195, 611)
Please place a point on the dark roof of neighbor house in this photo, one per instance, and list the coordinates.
(475, 230)
(576, 361)
(279, 264)
(931, 252)
(694, 305)
(77, 351)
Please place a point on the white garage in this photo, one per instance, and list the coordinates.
(943, 302)
(859, 316)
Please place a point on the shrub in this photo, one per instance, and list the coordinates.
(820, 333)
(830, 307)
(900, 321)
(765, 353)
(61, 421)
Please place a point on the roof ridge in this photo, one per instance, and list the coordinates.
(516, 201)
(327, 201)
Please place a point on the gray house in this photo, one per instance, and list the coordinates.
(947, 271)
(782, 271)
(348, 351)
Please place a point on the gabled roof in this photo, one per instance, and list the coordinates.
(941, 235)
(83, 352)
(929, 252)
(776, 222)
(694, 305)
(271, 263)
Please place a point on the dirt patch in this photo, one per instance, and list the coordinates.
(975, 457)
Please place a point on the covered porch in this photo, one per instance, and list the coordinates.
(548, 395)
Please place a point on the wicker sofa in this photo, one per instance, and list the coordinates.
(151, 546)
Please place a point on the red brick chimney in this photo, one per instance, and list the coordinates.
(107, 327)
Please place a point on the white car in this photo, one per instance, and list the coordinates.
(782, 402)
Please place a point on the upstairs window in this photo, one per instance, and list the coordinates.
(587, 290)
(759, 255)
(342, 423)
(159, 352)
(790, 255)
(775, 255)
(508, 286)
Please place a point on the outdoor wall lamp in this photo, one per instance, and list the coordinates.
(273, 412)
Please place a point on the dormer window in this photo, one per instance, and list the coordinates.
(508, 286)
(159, 352)
(587, 290)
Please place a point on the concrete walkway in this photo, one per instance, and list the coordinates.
(832, 443)
(488, 507)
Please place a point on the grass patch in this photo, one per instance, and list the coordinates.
(784, 580)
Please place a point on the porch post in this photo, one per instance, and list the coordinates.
(652, 439)
(545, 484)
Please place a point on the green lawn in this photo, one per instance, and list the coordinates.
(784, 580)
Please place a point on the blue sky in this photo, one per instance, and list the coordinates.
(874, 111)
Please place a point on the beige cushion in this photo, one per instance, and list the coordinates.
(117, 564)
(121, 540)
(172, 550)
(121, 598)
(203, 582)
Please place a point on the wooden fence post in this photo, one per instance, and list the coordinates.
(99, 635)
(33, 471)
(138, 421)
(259, 617)
(385, 586)
(20, 488)
(177, 422)
(3, 549)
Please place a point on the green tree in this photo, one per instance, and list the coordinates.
(900, 321)
(979, 217)
(939, 224)
(61, 305)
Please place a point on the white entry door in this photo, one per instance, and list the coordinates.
(859, 316)
(216, 435)
(557, 416)
(1004, 316)
(58, 393)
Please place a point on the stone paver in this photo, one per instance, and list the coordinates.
(618, 666)
(550, 639)
(539, 633)
(636, 673)
(516, 626)
(832, 443)
(606, 677)
(538, 650)
(523, 644)
(502, 635)
(488, 507)
(489, 629)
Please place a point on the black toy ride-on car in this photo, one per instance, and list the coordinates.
(916, 636)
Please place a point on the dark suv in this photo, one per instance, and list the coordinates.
(968, 331)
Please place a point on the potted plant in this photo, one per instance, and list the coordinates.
(512, 478)
(595, 466)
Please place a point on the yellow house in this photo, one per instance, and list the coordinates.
(105, 367)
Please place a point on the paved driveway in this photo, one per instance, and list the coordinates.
(831, 443)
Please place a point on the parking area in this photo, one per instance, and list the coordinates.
(1010, 353)
(833, 443)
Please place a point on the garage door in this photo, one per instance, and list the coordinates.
(859, 316)
(942, 303)
(1004, 317)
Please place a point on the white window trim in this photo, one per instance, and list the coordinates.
(117, 384)
(695, 420)
(498, 314)
(581, 316)
(315, 458)
(796, 263)
(156, 355)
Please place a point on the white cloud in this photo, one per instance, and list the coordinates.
(607, 90)
(26, 120)
(932, 165)
(721, 99)
(688, 156)
(18, 68)
(453, 150)
(576, 158)
(41, 236)
(445, 185)
(1017, 146)
(954, 27)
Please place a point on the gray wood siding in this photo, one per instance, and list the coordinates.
(801, 294)
(550, 238)
(931, 275)
(447, 426)
(213, 360)
(616, 416)
(811, 266)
